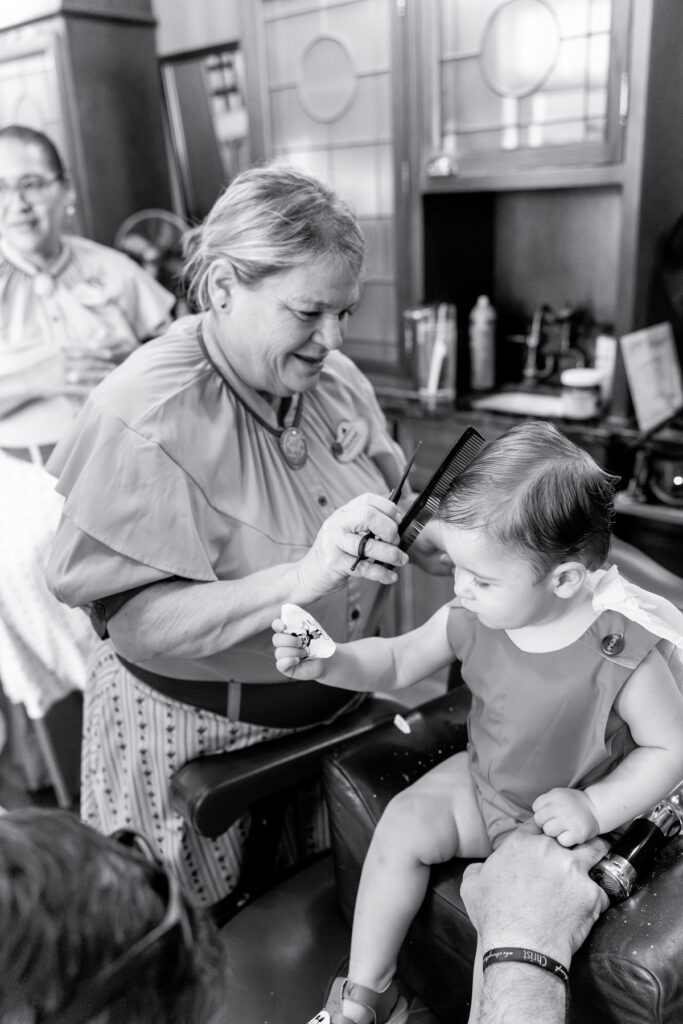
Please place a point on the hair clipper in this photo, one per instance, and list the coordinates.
(620, 870)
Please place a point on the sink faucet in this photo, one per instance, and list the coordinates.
(534, 342)
(564, 354)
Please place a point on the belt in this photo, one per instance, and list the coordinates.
(289, 705)
(36, 453)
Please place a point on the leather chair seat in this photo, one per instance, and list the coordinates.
(629, 970)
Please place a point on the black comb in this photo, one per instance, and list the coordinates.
(464, 451)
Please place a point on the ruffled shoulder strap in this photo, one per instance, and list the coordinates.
(126, 492)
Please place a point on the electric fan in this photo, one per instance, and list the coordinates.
(153, 238)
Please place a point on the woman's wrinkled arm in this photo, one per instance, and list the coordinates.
(185, 619)
(28, 376)
(188, 619)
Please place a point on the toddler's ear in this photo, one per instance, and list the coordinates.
(568, 578)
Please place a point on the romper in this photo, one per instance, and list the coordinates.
(542, 720)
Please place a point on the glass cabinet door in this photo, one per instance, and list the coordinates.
(514, 84)
(321, 87)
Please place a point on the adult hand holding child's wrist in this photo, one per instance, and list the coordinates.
(554, 915)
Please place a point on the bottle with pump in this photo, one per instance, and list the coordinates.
(482, 345)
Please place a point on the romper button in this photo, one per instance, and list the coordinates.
(322, 500)
(612, 644)
(355, 614)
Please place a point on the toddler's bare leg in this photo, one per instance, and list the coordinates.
(433, 820)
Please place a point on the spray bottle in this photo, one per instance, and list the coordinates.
(482, 345)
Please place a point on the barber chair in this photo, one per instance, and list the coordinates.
(627, 972)
(212, 792)
(283, 948)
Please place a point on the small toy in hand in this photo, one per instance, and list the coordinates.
(299, 623)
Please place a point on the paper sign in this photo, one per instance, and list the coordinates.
(653, 372)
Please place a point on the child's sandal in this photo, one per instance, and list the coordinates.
(388, 1007)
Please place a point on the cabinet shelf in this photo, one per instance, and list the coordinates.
(536, 179)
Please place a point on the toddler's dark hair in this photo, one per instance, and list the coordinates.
(535, 491)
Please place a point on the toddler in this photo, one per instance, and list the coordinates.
(576, 719)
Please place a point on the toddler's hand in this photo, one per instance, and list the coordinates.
(292, 654)
(566, 814)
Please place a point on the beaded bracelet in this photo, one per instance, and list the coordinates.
(520, 955)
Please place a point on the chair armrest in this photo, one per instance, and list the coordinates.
(211, 792)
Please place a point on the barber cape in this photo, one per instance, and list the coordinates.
(612, 592)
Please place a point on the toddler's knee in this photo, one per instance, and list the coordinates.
(402, 817)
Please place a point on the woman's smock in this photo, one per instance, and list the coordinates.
(92, 297)
(166, 474)
(542, 720)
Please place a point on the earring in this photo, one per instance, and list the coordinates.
(223, 304)
(70, 210)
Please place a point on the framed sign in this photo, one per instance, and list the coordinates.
(654, 377)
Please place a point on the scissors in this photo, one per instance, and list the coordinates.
(394, 496)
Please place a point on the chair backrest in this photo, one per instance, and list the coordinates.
(645, 572)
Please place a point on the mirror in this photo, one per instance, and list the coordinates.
(520, 47)
(206, 108)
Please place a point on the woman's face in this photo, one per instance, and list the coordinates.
(31, 224)
(276, 334)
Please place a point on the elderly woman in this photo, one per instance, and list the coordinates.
(200, 483)
(70, 310)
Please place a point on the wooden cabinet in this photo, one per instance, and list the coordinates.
(559, 192)
(86, 73)
(325, 85)
(580, 224)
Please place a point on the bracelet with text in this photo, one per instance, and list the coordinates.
(520, 955)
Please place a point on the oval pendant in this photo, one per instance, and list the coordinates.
(293, 447)
(43, 283)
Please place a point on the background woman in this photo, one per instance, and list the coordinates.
(200, 483)
(70, 310)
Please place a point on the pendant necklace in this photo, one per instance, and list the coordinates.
(291, 440)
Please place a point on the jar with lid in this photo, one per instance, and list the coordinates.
(581, 392)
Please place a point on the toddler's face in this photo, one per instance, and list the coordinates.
(500, 588)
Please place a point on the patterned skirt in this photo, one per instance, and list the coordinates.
(134, 740)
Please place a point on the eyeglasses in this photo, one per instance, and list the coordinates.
(98, 992)
(32, 188)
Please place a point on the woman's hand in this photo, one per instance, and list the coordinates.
(85, 367)
(334, 551)
(291, 654)
(567, 815)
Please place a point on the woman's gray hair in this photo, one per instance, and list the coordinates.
(269, 220)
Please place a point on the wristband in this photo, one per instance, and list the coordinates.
(520, 955)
